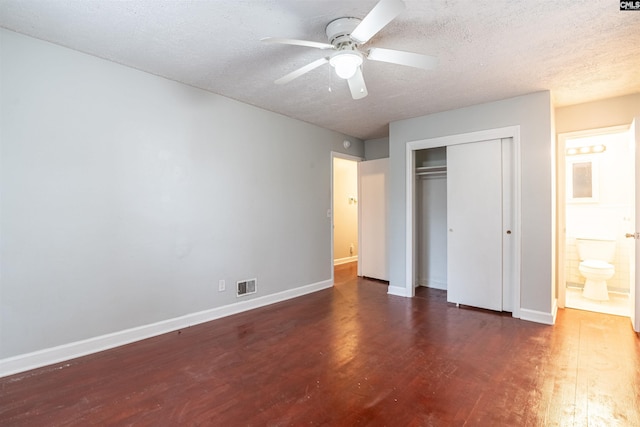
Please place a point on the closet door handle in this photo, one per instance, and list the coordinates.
(508, 231)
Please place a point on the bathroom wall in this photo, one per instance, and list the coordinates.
(608, 217)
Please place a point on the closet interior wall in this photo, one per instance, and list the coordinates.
(431, 218)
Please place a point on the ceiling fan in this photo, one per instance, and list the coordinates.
(347, 37)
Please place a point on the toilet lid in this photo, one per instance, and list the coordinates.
(596, 263)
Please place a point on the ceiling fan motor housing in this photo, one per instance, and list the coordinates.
(339, 32)
(347, 58)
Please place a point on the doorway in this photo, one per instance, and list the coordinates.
(344, 209)
(597, 207)
(510, 275)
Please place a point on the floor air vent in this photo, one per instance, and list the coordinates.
(247, 287)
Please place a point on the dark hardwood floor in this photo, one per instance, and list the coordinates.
(346, 356)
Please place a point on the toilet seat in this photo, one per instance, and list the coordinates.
(596, 264)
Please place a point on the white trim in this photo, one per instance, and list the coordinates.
(359, 184)
(346, 156)
(498, 133)
(410, 252)
(540, 316)
(433, 284)
(346, 260)
(53, 355)
(400, 291)
(634, 283)
(593, 132)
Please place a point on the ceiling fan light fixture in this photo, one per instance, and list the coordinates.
(346, 35)
(346, 63)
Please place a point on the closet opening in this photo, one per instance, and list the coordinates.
(463, 218)
(431, 217)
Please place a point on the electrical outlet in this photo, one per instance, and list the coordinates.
(221, 286)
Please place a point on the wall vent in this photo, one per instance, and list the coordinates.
(247, 287)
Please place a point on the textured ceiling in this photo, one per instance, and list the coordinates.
(487, 50)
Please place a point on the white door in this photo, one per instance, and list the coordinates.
(372, 176)
(634, 261)
(474, 222)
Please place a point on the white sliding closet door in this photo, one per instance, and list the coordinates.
(372, 176)
(474, 222)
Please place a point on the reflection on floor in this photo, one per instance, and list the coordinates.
(618, 304)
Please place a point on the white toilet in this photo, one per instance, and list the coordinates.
(596, 256)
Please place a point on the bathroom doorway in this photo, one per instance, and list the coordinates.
(596, 172)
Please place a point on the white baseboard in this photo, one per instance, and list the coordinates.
(49, 356)
(540, 316)
(340, 261)
(398, 291)
(434, 284)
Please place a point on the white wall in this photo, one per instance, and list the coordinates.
(603, 218)
(126, 197)
(533, 113)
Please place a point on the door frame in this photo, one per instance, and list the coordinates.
(635, 277)
(465, 138)
(357, 159)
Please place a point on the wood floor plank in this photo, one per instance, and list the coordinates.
(349, 355)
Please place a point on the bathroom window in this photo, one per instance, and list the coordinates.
(582, 179)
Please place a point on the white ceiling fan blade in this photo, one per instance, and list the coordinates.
(409, 59)
(300, 71)
(294, 42)
(356, 85)
(381, 14)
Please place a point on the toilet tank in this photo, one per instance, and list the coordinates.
(603, 250)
